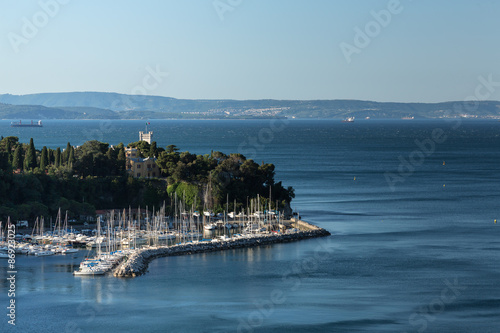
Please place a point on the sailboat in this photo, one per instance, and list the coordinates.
(207, 200)
(92, 267)
(4, 248)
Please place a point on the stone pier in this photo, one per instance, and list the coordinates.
(137, 263)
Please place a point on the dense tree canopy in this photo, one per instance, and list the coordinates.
(93, 176)
(228, 176)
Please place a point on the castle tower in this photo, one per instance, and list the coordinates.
(148, 137)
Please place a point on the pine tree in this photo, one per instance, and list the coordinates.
(17, 159)
(44, 159)
(30, 158)
(57, 158)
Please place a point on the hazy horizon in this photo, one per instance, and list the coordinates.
(235, 99)
(397, 51)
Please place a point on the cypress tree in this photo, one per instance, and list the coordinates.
(110, 153)
(121, 155)
(8, 149)
(44, 158)
(30, 158)
(57, 158)
(61, 159)
(121, 159)
(65, 154)
(51, 156)
(17, 159)
(71, 157)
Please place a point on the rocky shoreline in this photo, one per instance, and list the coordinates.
(137, 263)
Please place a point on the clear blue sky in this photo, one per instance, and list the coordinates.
(281, 49)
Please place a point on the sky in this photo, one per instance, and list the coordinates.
(387, 51)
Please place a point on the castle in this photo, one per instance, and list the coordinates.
(148, 137)
(139, 167)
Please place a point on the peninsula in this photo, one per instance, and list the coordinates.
(207, 203)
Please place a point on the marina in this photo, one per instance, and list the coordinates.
(127, 254)
(123, 243)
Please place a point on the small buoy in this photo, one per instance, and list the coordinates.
(354, 178)
(444, 185)
(444, 163)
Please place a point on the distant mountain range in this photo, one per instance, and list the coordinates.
(99, 105)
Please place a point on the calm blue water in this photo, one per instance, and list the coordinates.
(419, 253)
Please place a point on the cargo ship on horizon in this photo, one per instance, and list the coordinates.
(32, 124)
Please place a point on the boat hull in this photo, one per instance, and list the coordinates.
(88, 273)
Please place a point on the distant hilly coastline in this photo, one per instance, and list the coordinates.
(101, 105)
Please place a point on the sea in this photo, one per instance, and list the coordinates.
(411, 205)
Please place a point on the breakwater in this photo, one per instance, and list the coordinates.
(302, 225)
(137, 263)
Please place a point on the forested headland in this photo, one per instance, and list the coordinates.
(80, 180)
